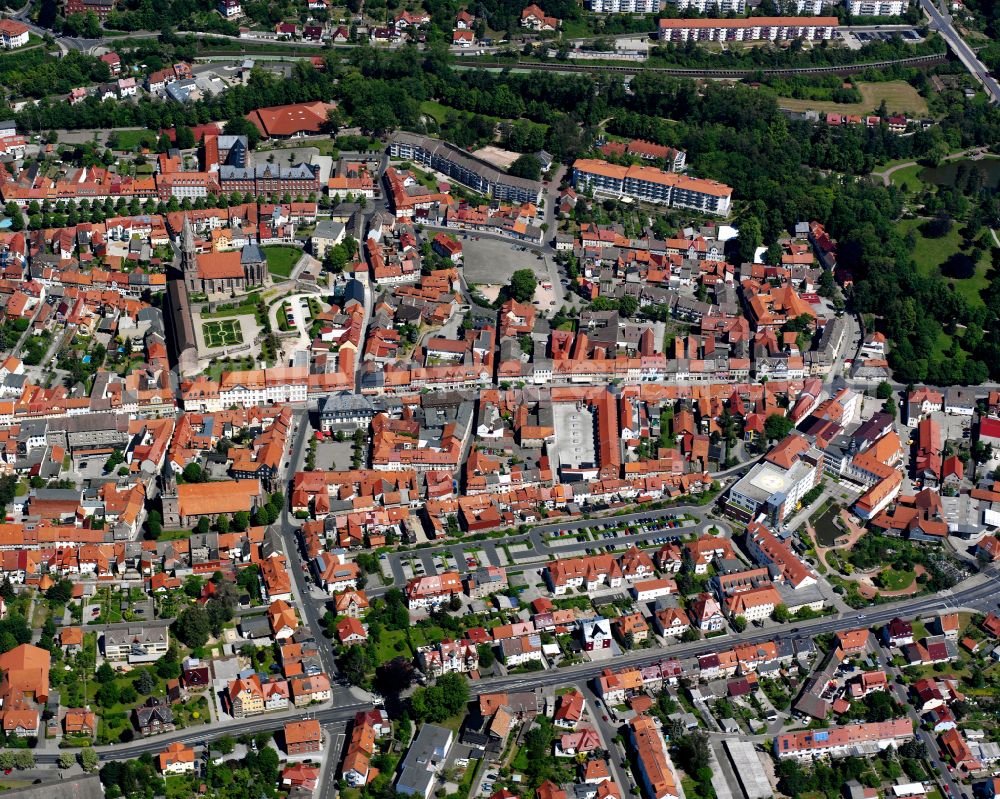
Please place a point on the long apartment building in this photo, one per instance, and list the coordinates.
(652, 185)
(749, 29)
(654, 766)
(715, 6)
(846, 741)
(468, 170)
(624, 6)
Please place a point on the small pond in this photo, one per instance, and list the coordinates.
(827, 531)
(945, 174)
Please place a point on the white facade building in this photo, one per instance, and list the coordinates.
(624, 6)
(715, 6)
(877, 8)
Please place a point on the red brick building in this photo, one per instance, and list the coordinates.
(302, 737)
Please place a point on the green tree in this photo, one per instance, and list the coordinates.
(192, 627)
(522, 285)
(89, 759)
(127, 695)
(446, 698)
(193, 473)
(61, 592)
(107, 695)
(526, 166)
(154, 524)
(884, 390)
(750, 238)
(184, 137)
(354, 665)
(486, 656)
(144, 682)
(777, 426)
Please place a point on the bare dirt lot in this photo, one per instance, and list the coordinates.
(502, 159)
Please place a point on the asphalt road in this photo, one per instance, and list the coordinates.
(978, 592)
(964, 53)
(543, 549)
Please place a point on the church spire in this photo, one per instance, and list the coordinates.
(189, 252)
(187, 237)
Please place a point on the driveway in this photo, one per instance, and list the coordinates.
(300, 310)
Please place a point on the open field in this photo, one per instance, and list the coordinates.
(895, 580)
(222, 333)
(281, 260)
(931, 254)
(132, 139)
(899, 96)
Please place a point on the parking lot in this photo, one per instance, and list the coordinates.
(887, 36)
(488, 261)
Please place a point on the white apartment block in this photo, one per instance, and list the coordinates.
(13, 34)
(750, 29)
(801, 7)
(652, 185)
(715, 6)
(877, 8)
(624, 6)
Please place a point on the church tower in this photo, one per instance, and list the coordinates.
(189, 256)
(169, 500)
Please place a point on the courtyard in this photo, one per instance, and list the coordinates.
(221, 333)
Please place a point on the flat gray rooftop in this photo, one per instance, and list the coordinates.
(574, 435)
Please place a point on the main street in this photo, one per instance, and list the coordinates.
(310, 607)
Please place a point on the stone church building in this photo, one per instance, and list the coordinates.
(222, 273)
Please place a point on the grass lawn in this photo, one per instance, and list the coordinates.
(941, 346)
(930, 254)
(435, 110)
(280, 259)
(217, 367)
(576, 28)
(174, 535)
(130, 139)
(180, 786)
(894, 580)
(470, 774)
(240, 310)
(421, 636)
(454, 723)
(899, 96)
(387, 645)
(910, 176)
(222, 333)
(958, 669)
